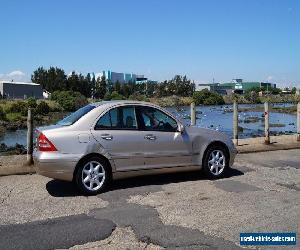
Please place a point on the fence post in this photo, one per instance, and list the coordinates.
(267, 127)
(298, 121)
(29, 137)
(235, 123)
(193, 114)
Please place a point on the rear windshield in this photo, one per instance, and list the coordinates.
(74, 117)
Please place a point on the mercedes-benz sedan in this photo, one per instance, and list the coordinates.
(109, 140)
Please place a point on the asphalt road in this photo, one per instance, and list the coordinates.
(175, 211)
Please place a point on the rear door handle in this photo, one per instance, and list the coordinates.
(150, 137)
(107, 137)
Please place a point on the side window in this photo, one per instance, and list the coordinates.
(114, 117)
(157, 120)
(118, 118)
(104, 121)
(128, 117)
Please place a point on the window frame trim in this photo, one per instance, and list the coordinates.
(140, 120)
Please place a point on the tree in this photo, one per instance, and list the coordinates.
(69, 100)
(252, 96)
(208, 98)
(101, 88)
(117, 87)
(51, 80)
(93, 86)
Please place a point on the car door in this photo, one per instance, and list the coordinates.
(117, 132)
(164, 146)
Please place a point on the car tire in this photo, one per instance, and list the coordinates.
(216, 162)
(93, 175)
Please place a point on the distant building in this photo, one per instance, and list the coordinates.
(114, 77)
(20, 90)
(236, 86)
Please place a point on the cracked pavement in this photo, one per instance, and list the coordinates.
(174, 211)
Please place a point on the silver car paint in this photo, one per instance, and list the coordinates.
(171, 151)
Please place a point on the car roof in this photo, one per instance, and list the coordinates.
(117, 102)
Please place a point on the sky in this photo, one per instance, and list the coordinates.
(256, 40)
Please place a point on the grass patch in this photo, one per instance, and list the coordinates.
(14, 117)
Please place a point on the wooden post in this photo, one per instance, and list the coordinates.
(298, 121)
(29, 137)
(235, 123)
(267, 127)
(193, 114)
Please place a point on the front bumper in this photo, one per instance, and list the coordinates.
(55, 165)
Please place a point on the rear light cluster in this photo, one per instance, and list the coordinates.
(43, 144)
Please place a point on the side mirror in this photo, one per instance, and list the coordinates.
(180, 128)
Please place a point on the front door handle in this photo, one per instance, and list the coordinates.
(150, 137)
(107, 137)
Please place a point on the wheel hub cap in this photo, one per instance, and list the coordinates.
(216, 162)
(93, 175)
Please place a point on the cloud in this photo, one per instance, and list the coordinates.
(270, 78)
(15, 75)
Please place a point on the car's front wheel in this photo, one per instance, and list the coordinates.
(93, 176)
(216, 161)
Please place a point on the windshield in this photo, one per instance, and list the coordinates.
(74, 117)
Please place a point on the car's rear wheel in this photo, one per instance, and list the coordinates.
(93, 176)
(216, 161)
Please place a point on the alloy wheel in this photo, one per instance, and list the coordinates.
(216, 162)
(93, 175)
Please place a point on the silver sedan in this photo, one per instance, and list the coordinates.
(109, 140)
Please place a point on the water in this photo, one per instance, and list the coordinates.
(213, 117)
(10, 138)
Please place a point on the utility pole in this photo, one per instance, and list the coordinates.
(29, 137)
(235, 123)
(267, 127)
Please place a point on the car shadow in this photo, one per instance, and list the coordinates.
(58, 188)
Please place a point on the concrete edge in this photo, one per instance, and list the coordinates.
(256, 148)
(17, 170)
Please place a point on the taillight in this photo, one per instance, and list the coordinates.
(44, 144)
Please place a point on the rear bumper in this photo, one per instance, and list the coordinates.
(56, 165)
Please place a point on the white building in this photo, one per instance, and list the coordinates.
(20, 90)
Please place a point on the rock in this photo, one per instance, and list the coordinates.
(2, 130)
(252, 119)
(18, 149)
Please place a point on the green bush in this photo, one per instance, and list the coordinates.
(14, 117)
(116, 96)
(138, 97)
(18, 107)
(113, 96)
(69, 100)
(207, 98)
(54, 106)
(31, 102)
(2, 114)
(252, 97)
(42, 108)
